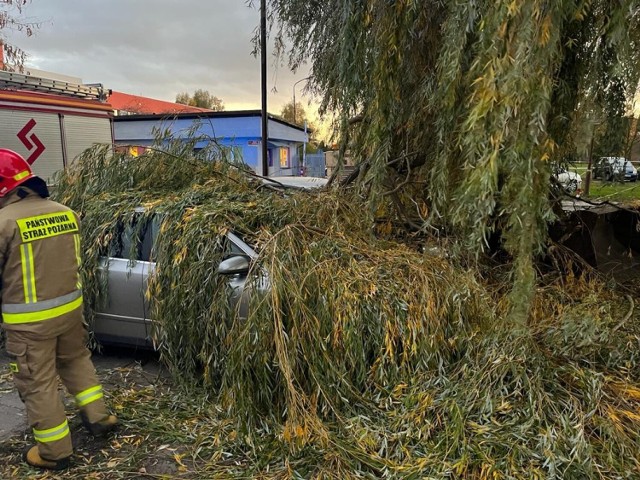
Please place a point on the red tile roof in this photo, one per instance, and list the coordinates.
(145, 105)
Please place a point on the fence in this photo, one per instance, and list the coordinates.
(315, 165)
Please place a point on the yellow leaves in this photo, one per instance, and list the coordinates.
(626, 390)
(178, 458)
(188, 214)
(633, 416)
(632, 392)
(384, 228)
(477, 428)
(488, 472)
(545, 30)
(581, 12)
(293, 432)
(548, 147)
(148, 205)
(513, 8)
(390, 339)
(502, 31)
(90, 476)
(180, 256)
(423, 209)
(399, 389)
(623, 420)
(461, 466)
(505, 407)
(165, 226)
(135, 440)
(426, 402)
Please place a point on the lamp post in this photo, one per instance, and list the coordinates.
(294, 97)
(263, 86)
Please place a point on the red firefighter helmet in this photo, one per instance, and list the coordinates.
(14, 171)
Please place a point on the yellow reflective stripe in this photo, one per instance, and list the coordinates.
(42, 305)
(28, 273)
(21, 175)
(24, 262)
(30, 317)
(52, 434)
(45, 226)
(89, 395)
(76, 243)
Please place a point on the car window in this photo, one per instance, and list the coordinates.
(141, 237)
(236, 246)
(233, 249)
(133, 235)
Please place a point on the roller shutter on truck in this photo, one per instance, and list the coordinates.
(50, 131)
(83, 132)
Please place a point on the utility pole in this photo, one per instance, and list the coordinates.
(263, 77)
(587, 180)
(589, 175)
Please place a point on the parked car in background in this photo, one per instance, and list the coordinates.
(615, 169)
(571, 182)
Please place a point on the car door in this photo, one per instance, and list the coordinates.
(124, 318)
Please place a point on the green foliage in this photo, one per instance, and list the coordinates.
(365, 357)
(463, 104)
(296, 115)
(201, 98)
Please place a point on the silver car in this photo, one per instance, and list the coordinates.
(125, 318)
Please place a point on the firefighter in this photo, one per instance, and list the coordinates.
(42, 313)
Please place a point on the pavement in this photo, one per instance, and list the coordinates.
(13, 416)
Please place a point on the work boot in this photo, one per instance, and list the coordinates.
(100, 428)
(33, 458)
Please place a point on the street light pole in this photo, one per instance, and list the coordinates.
(294, 98)
(263, 85)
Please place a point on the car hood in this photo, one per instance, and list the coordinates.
(571, 176)
(303, 183)
(566, 175)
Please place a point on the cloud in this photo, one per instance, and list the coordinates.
(156, 48)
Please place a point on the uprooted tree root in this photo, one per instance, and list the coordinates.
(365, 358)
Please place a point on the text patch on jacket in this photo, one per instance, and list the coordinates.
(48, 225)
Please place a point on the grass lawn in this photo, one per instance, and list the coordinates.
(607, 191)
(618, 192)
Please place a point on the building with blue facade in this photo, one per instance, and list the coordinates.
(241, 131)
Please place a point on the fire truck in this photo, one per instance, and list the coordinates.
(50, 122)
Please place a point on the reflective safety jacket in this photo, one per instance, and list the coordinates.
(39, 261)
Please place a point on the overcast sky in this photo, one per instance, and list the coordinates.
(157, 48)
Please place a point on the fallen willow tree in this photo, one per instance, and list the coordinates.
(371, 354)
